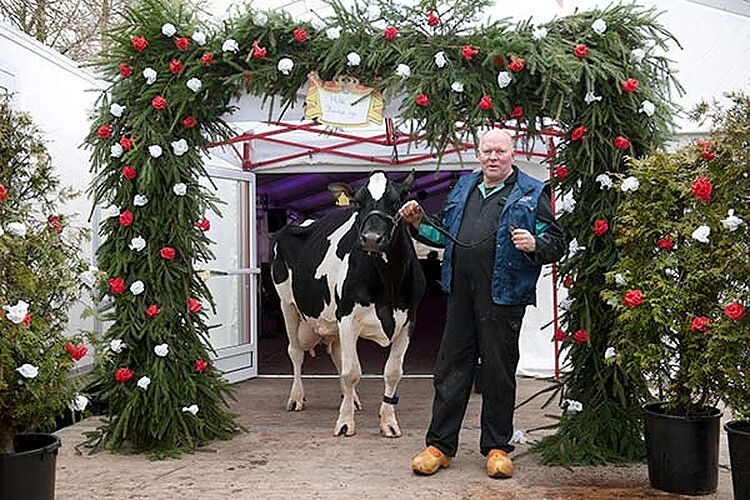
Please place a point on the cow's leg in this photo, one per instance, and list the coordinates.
(391, 377)
(351, 371)
(335, 353)
(296, 400)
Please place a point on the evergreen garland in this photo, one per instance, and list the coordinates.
(537, 77)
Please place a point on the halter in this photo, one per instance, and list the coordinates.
(393, 220)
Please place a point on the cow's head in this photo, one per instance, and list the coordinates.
(377, 202)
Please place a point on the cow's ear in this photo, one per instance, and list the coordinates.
(408, 182)
(342, 193)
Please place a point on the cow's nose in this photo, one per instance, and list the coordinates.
(372, 242)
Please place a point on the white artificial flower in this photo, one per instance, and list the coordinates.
(672, 273)
(111, 211)
(519, 437)
(574, 247)
(620, 279)
(539, 33)
(403, 70)
(143, 382)
(116, 110)
(647, 108)
(117, 345)
(161, 350)
(18, 312)
(260, 19)
(150, 75)
(230, 45)
(637, 55)
(573, 406)
(630, 184)
(168, 29)
(564, 304)
(440, 60)
(180, 147)
(701, 234)
(605, 181)
(180, 189)
(137, 287)
(28, 371)
(599, 26)
(116, 150)
(503, 79)
(140, 200)
(194, 84)
(333, 33)
(591, 97)
(190, 409)
(457, 87)
(89, 277)
(568, 203)
(199, 37)
(79, 403)
(16, 229)
(137, 244)
(155, 150)
(732, 222)
(610, 353)
(353, 59)
(285, 65)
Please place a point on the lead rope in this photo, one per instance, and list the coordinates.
(441, 229)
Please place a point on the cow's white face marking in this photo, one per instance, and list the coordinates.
(376, 186)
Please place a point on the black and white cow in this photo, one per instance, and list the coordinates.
(353, 273)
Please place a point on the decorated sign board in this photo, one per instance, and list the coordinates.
(343, 102)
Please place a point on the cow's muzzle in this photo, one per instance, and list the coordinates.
(376, 241)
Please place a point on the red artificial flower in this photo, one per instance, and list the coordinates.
(630, 85)
(581, 51)
(700, 323)
(621, 143)
(600, 227)
(578, 133)
(735, 311)
(194, 305)
(27, 320)
(568, 281)
(708, 155)
(189, 122)
(104, 132)
(702, 188)
(633, 298)
(516, 64)
(390, 33)
(175, 66)
(167, 253)
(126, 218)
(561, 173)
(3, 192)
(203, 224)
(182, 43)
(122, 375)
(665, 243)
(581, 336)
(128, 171)
(139, 43)
(153, 311)
(560, 335)
(200, 365)
(433, 19)
(468, 52)
(117, 285)
(517, 112)
(158, 103)
(422, 100)
(54, 222)
(76, 352)
(207, 59)
(126, 143)
(258, 51)
(125, 70)
(300, 35)
(485, 103)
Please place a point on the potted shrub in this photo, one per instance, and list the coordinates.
(38, 283)
(680, 290)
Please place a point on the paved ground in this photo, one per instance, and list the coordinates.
(294, 455)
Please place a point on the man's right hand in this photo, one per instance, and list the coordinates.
(411, 213)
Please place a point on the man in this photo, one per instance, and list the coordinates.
(504, 231)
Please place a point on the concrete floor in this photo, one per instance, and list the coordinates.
(294, 455)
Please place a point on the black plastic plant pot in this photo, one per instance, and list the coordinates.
(682, 451)
(738, 436)
(29, 472)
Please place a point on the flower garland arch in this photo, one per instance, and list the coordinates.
(600, 77)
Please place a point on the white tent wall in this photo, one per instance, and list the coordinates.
(58, 96)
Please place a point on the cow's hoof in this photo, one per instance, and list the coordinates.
(390, 431)
(343, 429)
(293, 405)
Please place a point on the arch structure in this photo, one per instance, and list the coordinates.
(600, 78)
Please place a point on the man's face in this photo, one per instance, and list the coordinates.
(495, 157)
